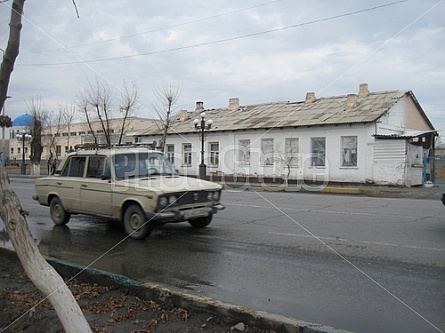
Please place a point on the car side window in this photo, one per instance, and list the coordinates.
(96, 167)
(74, 167)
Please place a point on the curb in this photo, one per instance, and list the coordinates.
(341, 190)
(175, 297)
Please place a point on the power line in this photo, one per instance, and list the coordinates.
(220, 40)
(158, 29)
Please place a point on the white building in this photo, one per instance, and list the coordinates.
(368, 137)
(58, 140)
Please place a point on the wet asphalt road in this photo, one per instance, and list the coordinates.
(352, 262)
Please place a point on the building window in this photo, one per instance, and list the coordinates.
(214, 153)
(244, 151)
(81, 132)
(187, 154)
(65, 134)
(291, 151)
(58, 150)
(19, 150)
(349, 151)
(267, 152)
(73, 133)
(171, 153)
(318, 150)
(12, 151)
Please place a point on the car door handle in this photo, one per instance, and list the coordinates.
(84, 185)
(59, 183)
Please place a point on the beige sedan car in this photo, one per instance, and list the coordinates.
(137, 186)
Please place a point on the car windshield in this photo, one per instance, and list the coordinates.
(142, 165)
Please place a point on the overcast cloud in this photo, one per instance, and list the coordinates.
(258, 51)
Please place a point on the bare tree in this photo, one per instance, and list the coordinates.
(129, 97)
(67, 115)
(38, 119)
(287, 158)
(36, 267)
(54, 123)
(167, 94)
(98, 106)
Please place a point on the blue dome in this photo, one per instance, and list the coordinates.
(23, 120)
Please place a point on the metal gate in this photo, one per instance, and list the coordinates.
(434, 170)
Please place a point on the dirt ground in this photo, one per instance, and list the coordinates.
(23, 309)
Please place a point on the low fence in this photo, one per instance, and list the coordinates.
(434, 170)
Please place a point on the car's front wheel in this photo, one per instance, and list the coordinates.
(58, 213)
(135, 222)
(201, 222)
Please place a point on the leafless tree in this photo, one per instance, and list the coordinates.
(129, 98)
(167, 94)
(38, 119)
(97, 104)
(67, 114)
(36, 267)
(288, 157)
(54, 123)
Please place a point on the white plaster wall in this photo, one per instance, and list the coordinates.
(229, 164)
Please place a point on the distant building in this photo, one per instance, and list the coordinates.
(364, 137)
(58, 140)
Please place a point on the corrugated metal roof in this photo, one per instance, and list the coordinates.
(407, 135)
(323, 111)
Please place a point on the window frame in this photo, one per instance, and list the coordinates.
(290, 155)
(318, 154)
(244, 151)
(214, 154)
(187, 154)
(267, 152)
(349, 153)
(170, 152)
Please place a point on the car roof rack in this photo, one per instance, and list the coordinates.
(96, 146)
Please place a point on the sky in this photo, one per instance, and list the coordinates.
(256, 50)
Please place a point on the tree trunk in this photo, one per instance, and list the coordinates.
(42, 274)
(35, 169)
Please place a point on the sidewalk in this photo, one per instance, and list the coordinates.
(416, 192)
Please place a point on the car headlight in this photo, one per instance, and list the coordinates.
(216, 195)
(172, 200)
(163, 201)
(213, 196)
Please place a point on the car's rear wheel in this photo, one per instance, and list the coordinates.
(135, 222)
(201, 222)
(58, 213)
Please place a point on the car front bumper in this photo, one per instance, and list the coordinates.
(183, 215)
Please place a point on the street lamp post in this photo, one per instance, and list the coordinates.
(202, 126)
(23, 137)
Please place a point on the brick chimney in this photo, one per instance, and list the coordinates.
(351, 101)
(363, 90)
(199, 107)
(310, 97)
(183, 115)
(233, 104)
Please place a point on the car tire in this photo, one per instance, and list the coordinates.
(135, 222)
(58, 213)
(201, 222)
